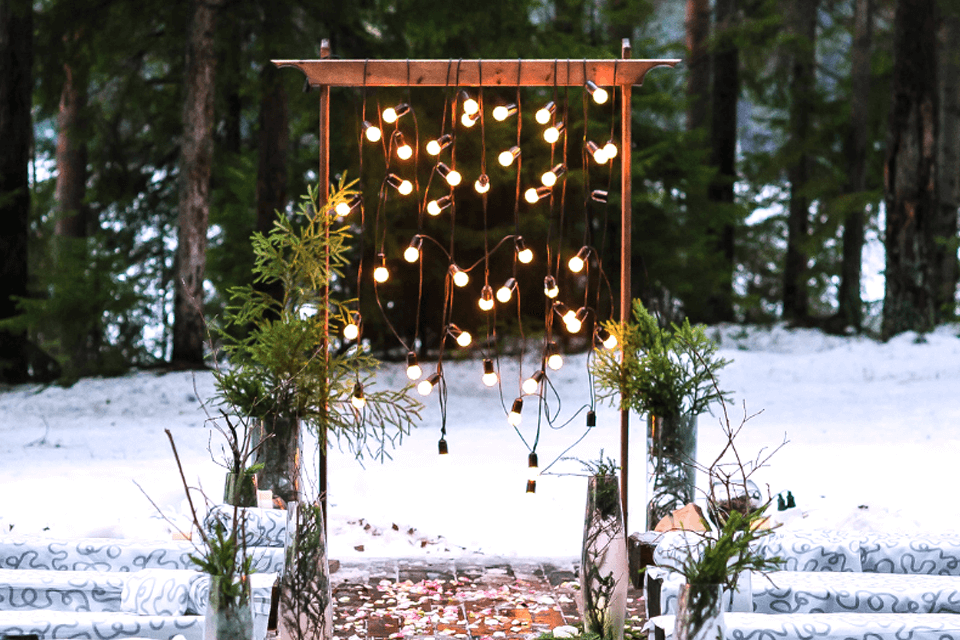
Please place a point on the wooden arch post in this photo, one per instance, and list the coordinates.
(623, 73)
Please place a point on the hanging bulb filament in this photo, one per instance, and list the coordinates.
(345, 207)
(610, 150)
(357, 399)
(577, 262)
(390, 114)
(482, 185)
(550, 288)
(434, 147)
(599, 155)
(503, 112)
(404, 151)
(434, 207)
(412, 253)
(505, 292)
(552, 134)
(460, 277)
(524, 254)
(554, 358)
(514, 416)
(532, 384)
(426, 385)
(452, 176)
(413, 367)
(546, 112)
(575, 323)
(533, 196)
(606, 338)
(380, 273)
(533, 470)
(486, 298)
(550, 177)
(470, 105)
(469, 119)
(600, 95)
(371, 131)
(462, 337)
(351, 331)
(405, 187)
(507, 157)
(490, 377)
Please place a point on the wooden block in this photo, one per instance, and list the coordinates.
(686, 518)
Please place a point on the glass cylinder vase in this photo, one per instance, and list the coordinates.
(306, 600)
(699, 612)
(228, 615)
(604, 568)
(671, 475)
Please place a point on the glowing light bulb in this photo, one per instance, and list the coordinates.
(413, 367)
(550, 288)
(452, 176)
(405, 187)
(381, 274)
(470, 105)
(412, 252)
(533, 196)
(577, 262)
(554, 359)
(524, 254)
(390, 114)
(351, 331)
(599, 155)
(460, 277)
(573, 325)
(434, 147)
(434, 207)
(482, 185)
(600, 95)
(486, 298)
(514, 416)
(490, 377)
(345, 207)
(505, 292)
(546, 112)
(462, 337)
(552, 134)
(427, 385)
(606, 338)
(610, 150)
(507, 157)
(469, 119)
(533, 467)
(503, 112)
(357, 399)
(371, 131)
(404, 151)
(532, 384)
(550, 178)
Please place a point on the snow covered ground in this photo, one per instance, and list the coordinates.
(873, 430)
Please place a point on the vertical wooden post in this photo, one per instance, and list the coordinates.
(323, 187)
(626, 251)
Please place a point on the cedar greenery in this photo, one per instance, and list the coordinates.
(279, 367)
(666, 372)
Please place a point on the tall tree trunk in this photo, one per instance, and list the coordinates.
(73, 223)
(948, 162)
(850, 304)
(802, 23)
(725, 92)
(910, 172)
(698, 64)
(196, 159)
(16, 86)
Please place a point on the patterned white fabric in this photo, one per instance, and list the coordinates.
(52, 625)
(932, 554)
(814, 550)
(262, 527)
(159, 592)
(60, 590)
(833, 626)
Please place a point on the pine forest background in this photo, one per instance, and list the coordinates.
(142, 143)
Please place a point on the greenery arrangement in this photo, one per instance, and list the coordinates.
(285, 368)
(305, 597)
(665, 372)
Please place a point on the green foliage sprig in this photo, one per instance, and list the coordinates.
(284, 363)
(664, 372)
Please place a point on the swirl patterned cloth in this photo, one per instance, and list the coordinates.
(832, 626)
(262, 527)
(160, 592)
(100, 625)
(83, 591)
(815, 550)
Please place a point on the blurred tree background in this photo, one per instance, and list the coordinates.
(142, 143)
